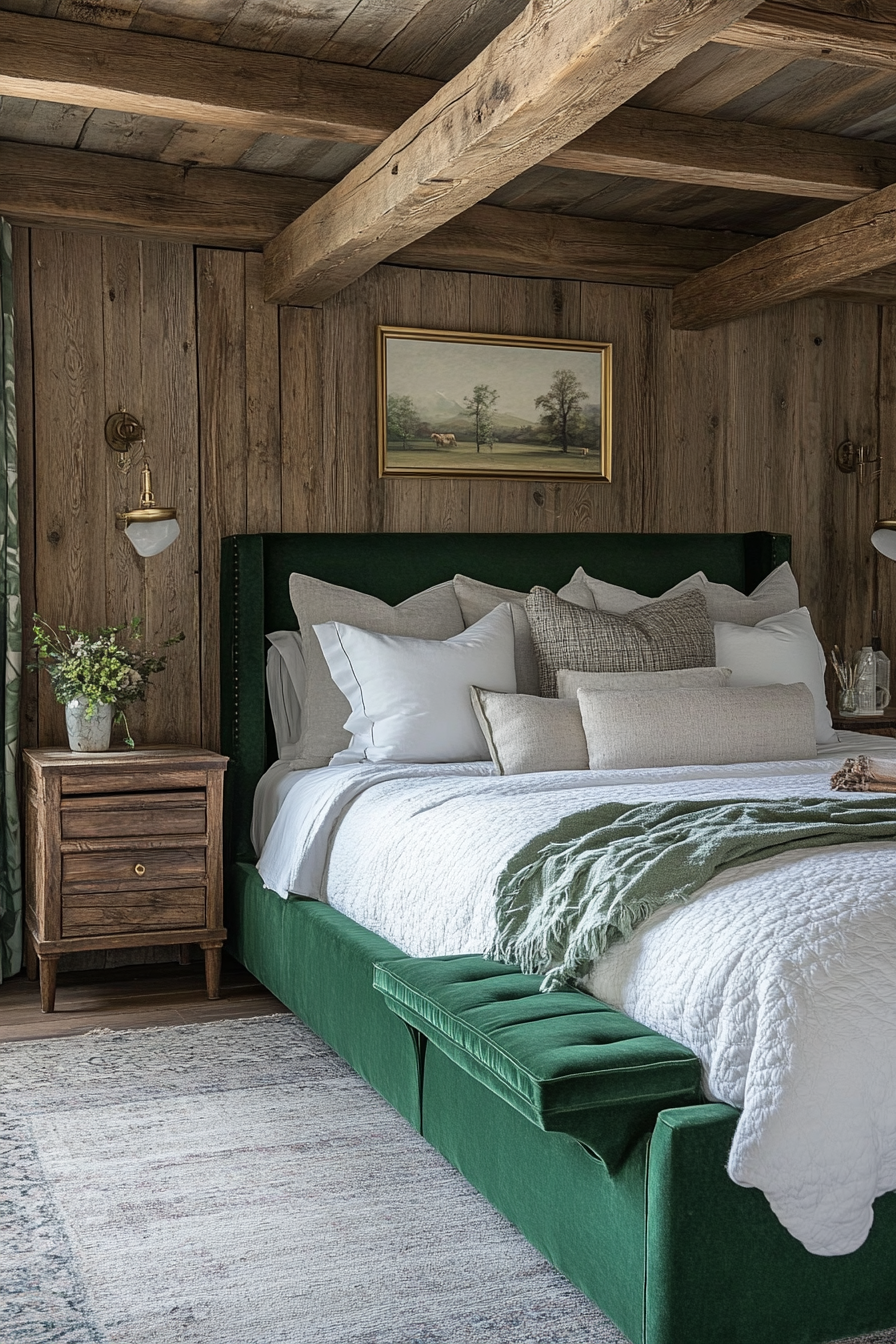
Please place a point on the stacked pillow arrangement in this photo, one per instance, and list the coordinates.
(594, 676)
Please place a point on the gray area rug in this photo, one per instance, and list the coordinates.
(236, 1182)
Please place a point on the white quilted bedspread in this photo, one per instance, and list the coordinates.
(780, 975)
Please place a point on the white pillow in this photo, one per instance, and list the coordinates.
(776, 594)
(410, 698)
(285, 676)
(780, 650)
(721, 725)
(432, 614)
(570, 683)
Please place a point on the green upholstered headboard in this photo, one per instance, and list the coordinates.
(255, 574)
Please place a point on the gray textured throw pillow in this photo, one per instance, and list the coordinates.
(657, 638)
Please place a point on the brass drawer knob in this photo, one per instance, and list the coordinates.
(139, 869)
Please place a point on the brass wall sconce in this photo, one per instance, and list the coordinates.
(150, 528)
(857, 458)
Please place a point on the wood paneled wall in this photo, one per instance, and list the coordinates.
(264, 419)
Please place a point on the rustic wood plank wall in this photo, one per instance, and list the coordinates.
(259, 418)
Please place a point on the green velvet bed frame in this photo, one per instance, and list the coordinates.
(668, 1246)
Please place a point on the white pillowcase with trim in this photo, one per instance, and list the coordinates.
(410, 698)
(778, 651)
(776, 594)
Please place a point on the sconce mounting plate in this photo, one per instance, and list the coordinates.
(123, 430)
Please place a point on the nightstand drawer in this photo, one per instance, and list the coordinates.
(131, 870)
(131, 780)
(102, 912)
(84, 818)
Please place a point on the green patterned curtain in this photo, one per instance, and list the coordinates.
(10, 633)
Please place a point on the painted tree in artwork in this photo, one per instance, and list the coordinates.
(560, 405)
(402, 419)
(480, 406)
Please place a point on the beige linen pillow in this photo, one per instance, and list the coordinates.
(600, 596)
(722, 725)
(528, 734)
(776, 594)
(664, 635)
(433, 614)
(570, 683)
(476, 599)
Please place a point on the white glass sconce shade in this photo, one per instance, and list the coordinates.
(152, 538)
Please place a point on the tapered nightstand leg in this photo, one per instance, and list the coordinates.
(48, 983)
(183, 954)
(30, 957)
(212, 969)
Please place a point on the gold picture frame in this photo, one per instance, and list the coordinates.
(463, 404)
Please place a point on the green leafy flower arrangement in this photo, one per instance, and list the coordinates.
(98, 666)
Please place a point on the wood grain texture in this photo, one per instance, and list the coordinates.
(243, 210)
(805, 32)
(73, 63)
(546, 78)
(638, 142)
(213, 206)
(66, 305)
(847, 242)
(221, 318)
(234, 97)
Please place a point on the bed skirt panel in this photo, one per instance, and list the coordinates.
(586, 1222)
(722, 1270)
(320, 964)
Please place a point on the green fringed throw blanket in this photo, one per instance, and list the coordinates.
(595, 876)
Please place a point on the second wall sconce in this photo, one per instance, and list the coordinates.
(150, 528)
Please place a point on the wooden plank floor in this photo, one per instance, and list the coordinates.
(130, 997)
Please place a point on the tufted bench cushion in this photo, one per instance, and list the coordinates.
(566, 1061)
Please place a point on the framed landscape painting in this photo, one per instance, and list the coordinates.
(456, 404)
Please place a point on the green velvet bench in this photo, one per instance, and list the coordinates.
(565, 1061)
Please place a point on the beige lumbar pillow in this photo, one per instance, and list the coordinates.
(722, 725)
(528, 735)
(570, 683)
(433, 614)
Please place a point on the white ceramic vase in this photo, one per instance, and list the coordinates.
(88, 732)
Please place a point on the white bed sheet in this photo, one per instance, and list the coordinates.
(778, 975)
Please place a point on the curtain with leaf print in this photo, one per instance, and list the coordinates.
(10, 634)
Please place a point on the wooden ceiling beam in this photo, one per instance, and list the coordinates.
(58, 61)
(218, 207)
(221, 207)
(55, 61)
(558, 68)
(211, 207)
(811, 34)
(857, 238)
(670, 147)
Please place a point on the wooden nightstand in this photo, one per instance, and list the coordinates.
(123, 849)
(882, 725)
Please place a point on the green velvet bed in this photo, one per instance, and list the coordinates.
(651, 1228)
